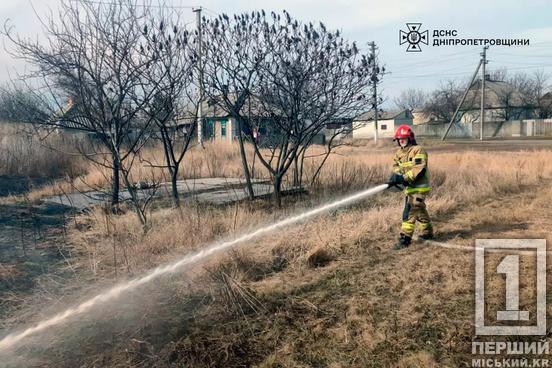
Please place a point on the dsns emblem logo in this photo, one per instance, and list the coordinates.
(413, 37)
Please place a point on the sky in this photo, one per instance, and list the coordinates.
(379, 21)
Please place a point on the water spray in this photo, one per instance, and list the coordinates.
(12, 339)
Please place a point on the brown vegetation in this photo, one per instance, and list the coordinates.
(23, 153)
(364, 305)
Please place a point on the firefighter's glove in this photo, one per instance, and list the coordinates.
(396, 179)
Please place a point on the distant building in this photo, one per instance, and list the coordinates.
(364, 126)
(420, 116)
(545, 106)
(338, 129)
(219, 125)
(503, 101)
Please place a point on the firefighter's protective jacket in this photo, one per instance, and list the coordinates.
(411, 163)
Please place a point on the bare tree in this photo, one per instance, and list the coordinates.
(175, 99)
(500, 74)
(411, 99)
(522, 95)
(91, 56)
(443, 101)
(233, 53)
(310, 76)
(510, 105)
(541, 85)
(532, 88)
(338, 137)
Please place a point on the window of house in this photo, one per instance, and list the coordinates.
(223, 128)
(209, 129)
(383, 127)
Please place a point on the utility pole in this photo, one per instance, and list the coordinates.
(200, 69)
(453, 119)
(375, 89)
(482, 114)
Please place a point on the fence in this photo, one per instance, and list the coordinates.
(438, 130)
(491, 129)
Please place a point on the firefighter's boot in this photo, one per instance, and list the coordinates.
(404, 242)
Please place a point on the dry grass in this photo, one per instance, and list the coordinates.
(24, 154)
(55, 157)
(369, 306)
(211, 160)
(363, 306)
(459, 179)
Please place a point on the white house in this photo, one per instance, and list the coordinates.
(388, 122)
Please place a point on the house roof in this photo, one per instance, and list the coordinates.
(386, 115)
(498, 94)
(215, 107)
(68, 116)
(546, 98)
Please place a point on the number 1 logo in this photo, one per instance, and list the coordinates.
(509, 266)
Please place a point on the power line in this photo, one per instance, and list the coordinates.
(426, 75)
(439, 72)
(211, 11)
(531, 67)
(447, 57)
(429, 62)
(425, 68)
(192, 7)
(515, 62)
(521, 55)
(429, 57)
(420, 66)
(143, 5)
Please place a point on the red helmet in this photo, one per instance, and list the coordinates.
(404, 131)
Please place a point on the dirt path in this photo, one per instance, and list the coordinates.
(216, 191)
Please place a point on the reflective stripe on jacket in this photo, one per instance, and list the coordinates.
(411, 163)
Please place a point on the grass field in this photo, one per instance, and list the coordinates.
(330, 292)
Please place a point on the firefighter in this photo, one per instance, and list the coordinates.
(410, 171)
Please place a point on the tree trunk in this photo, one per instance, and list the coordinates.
(244, 162)
(277, 195)
(115, 181)
(140, 212)
(296, 171)
(175, 195)
(317, 172)
(301, 167)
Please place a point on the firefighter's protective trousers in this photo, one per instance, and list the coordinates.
(411, 162)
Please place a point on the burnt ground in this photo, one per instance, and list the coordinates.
(13, 185)
(32, 238)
